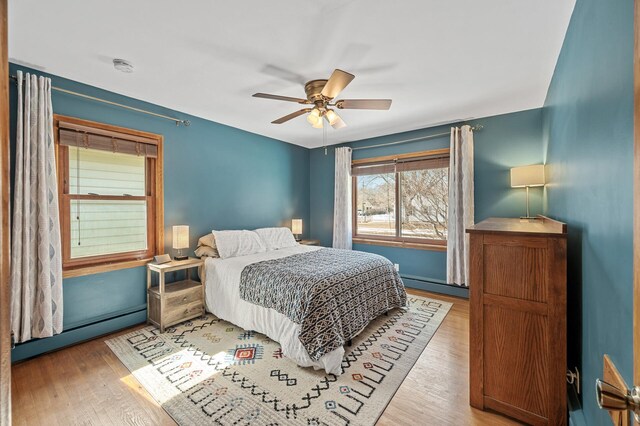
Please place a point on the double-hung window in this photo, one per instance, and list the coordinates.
(110, 193)
(402, 200)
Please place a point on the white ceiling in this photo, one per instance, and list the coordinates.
(440, 61)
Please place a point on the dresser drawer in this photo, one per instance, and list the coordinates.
(515, 355)
(515, 268)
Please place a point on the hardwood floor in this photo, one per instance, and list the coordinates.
(87, 384)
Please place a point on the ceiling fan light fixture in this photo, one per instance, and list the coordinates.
(332, 117)
(314, 116)
(318, 124)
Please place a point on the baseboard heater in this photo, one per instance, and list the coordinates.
(435, 285)
(106, 317)
(80, 332)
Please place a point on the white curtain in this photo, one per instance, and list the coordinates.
(342, 200)
(36, 258)
(460, 204)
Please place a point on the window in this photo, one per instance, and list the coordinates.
(402, 200)
(376, 204)
(110, 193)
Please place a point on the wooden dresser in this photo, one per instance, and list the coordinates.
(518, 323)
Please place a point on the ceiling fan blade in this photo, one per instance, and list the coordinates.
(291, 116)
(381, 104)
(337, 82)
(281, 98)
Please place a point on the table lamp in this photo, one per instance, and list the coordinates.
(526, 177)
(296, 228)
(180, 240)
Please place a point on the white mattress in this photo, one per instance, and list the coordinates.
(222, 298)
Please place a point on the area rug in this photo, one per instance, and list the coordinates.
(208, 371)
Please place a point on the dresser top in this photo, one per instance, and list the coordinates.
(542, 226)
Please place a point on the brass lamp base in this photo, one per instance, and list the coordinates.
(528, 217)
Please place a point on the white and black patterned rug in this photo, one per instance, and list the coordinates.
(208, 371)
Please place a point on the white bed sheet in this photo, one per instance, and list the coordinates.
(222, 298)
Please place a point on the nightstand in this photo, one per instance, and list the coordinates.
(309, 242)
(172, 303)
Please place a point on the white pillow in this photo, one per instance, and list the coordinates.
(237, 243)
(276, 238)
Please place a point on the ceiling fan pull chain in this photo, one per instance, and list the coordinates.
(324, 138)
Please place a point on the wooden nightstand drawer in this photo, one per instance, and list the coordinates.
(179, 293)
(182, 301)
(186, 297)
(176, 314)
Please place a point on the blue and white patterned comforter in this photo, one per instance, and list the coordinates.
(333, 294)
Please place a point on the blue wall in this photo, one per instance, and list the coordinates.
(588, 132)
(505, 141)
(215, 176)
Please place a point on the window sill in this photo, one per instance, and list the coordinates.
(107, 267)
(400, 244)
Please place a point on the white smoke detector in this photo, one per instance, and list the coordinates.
(123, 65)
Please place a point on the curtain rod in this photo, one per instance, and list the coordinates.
(81, 95)
(421, 138)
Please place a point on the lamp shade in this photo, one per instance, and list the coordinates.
(314, 116)
(296, 226)
(181, 236)
(527, 176)
(332, 117)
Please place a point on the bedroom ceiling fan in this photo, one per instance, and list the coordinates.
(321, 94)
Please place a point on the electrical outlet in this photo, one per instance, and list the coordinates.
(397, 266)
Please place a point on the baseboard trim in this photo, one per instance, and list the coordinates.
(434, 285)
(78, 334)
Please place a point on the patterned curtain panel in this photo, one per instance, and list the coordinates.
(36, 255)
(460, 204)
(342, 200)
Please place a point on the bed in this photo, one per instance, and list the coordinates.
(311, 300)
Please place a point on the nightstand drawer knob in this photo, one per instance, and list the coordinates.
(184, 299)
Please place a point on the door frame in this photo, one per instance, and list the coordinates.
(636, 193)
(5, 328)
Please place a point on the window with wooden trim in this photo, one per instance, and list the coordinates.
(110, 193)
(402, 200)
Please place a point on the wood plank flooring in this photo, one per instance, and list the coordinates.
(87, 384)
